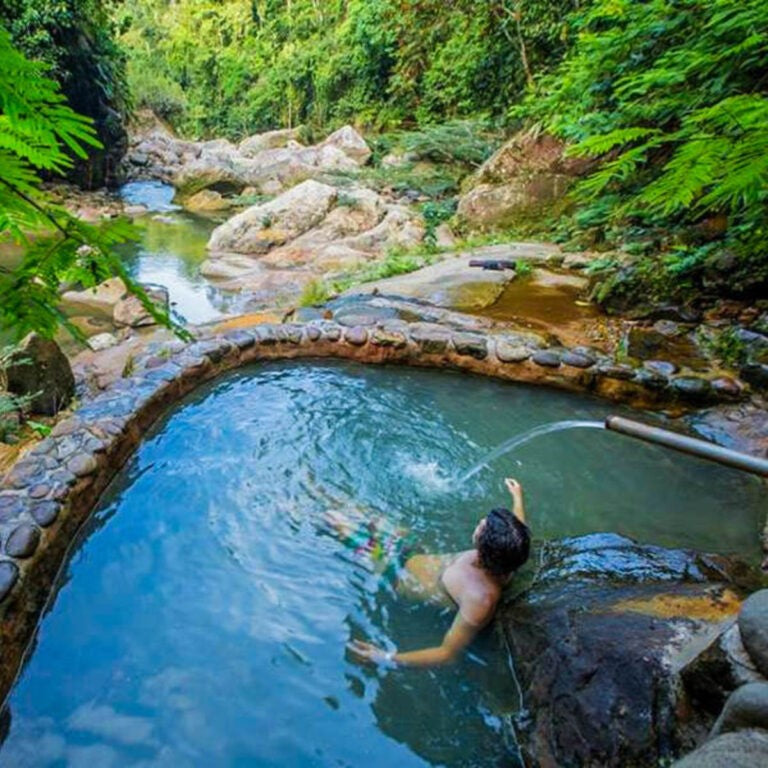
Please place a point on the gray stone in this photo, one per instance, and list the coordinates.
(661, 367)
(11, 506)
(511, 353)
(746, 708)
(547, 358)
(753, 624)
(313, 333)
(9, 573)
(41, 370)
(82, 465)
(331, 332)
(743, 749)
(577, 360)
(471, 345)
(44, 512)
(356, 336)
(23, 541)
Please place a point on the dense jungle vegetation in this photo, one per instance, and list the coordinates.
(669, 97)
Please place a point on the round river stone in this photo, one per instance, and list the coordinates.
(23, 541)
(747, 707)
(511, 353)
(547, 358)
(9, 573)
(753, 624)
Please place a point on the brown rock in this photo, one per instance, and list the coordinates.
(40, 369)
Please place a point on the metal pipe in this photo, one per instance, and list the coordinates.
(690, 445)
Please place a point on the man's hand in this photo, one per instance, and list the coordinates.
(369, 653)
(513, 486)
(518, 509)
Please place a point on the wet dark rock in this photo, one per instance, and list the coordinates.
(356, 336)
(432, 339)
(754, 344)
(746, 708)
(756, 375)
(577, 359)
(719, 670)
(508, 352)
(547, 358)
(40, 369)
(23, 541)
(470, 345)
(692, 388)
(599, 640)
(651, 380)
(743, 749)
(665, 341)
(44, 512)
(620, 371)
(753, 625)
(660, 367)
(9, 574)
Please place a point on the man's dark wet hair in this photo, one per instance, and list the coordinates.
(504, 544)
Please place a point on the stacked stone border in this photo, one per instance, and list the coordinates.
(51, 491)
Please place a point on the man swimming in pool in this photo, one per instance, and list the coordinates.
(472, 580)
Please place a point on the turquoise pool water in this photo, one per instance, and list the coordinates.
(203, 616)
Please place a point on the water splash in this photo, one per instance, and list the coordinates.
(429, 475)
(525, 437)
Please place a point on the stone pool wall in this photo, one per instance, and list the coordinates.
(50, 492)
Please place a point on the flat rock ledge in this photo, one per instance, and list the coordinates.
(52, 489)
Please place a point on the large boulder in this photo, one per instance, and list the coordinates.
(351, 143)
(599, 641)
(525, 178)
(41, 370)
(262, 227)
(252, 145)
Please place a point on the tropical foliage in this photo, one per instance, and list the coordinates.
(40, 133)
(74, 38)
(234, 67)
(673, 96)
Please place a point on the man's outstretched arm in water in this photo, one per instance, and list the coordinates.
(474, 580)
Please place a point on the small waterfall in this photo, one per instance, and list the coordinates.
(525, 437)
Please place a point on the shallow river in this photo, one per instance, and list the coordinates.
(203, 618)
